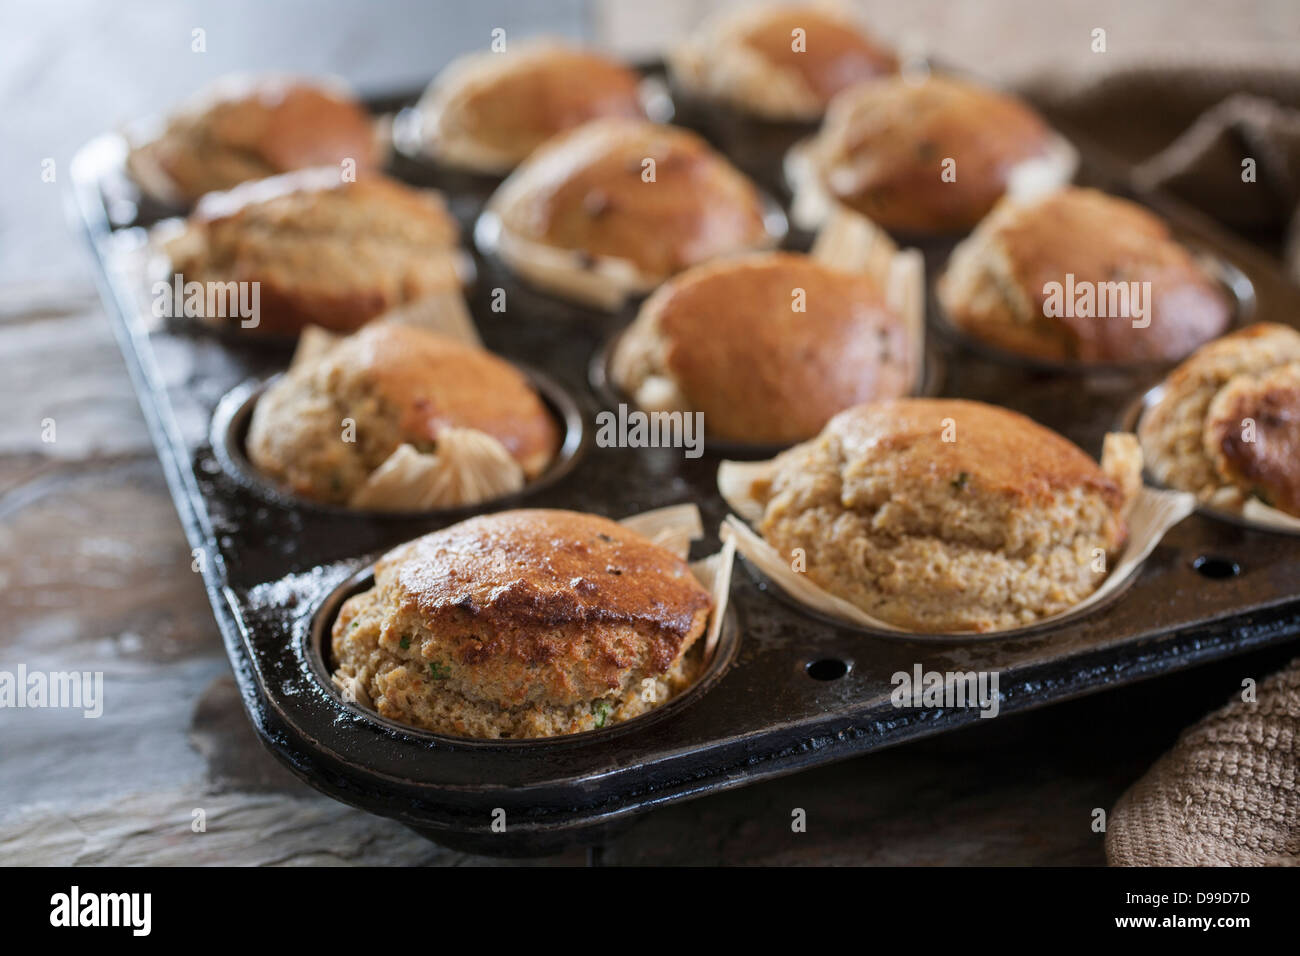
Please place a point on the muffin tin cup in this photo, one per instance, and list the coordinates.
(796, 691)
(1132, 418)
(233, 415)
(314, 652)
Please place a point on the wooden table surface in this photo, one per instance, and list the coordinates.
(95, 572)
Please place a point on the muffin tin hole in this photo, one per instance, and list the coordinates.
(827, 669)
(313, 647)
(231, 420)
(1215, 567)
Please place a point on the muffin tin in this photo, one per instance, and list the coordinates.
(788, 689)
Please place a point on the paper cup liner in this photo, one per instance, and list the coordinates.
(1152, 512)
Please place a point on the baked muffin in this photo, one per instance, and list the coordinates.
(324, 252)
(1228, 420)
(434, 423)
(245, 128)
(617, 206)
(884, 147)
(724, 339)
(941, 515)
(487, 111)
(998, 286)
(753, 59)
(522, 624)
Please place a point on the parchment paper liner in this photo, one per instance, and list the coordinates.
(467, 467)
(1151, 513)
(672, 528)
(1232, 501)
(812, 204)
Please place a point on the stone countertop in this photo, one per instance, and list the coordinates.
(96, 575)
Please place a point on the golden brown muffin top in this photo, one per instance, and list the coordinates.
(1100, 238)
(836, 54)
(436, 383)
(529, 573)
(1265, 460)
(584, 191)
(896, 132)
(325, 252)
(320, 200)
(994, 451)
(272, 125)
(761, 371)
(538, 94)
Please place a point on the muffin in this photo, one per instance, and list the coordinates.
(752, 59)
(322, 251)
(1227, 423)
(245, 128)
(522, 624)
(941, 515)
(725, 339)
(617, 206)
(434, 423)
(1010, 282)
(487, 111)
(885, 147)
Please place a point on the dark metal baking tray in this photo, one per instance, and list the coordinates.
(792, 690)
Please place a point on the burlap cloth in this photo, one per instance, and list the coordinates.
(1187, 127)
(1228, 792)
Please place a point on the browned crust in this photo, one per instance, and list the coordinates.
(1099, 239)
(539, 96)
(1267, 465)
(556, 606)
(1213, 359)
(762, 372)
(837, 55)
(273, 127)
(438, 383)
(583, 191)
(324, 252)
(997, 451)
(550, 568)
(906, 128)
